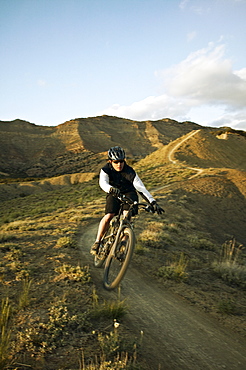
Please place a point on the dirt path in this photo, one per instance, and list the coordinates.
(176, 335)
(172, 151)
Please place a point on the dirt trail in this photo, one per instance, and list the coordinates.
(176, 335)
(172, 151)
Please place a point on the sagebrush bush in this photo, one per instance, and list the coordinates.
(200, 242)
(73, 273)
(176, 270)
(111, 309)
(65, 242)
(227, 267)
(232, 273)
(42, 337)
(154, 236)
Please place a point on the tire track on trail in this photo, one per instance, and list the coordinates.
(176, 335)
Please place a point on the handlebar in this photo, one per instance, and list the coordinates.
(124, 199)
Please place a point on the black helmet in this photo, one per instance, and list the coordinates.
(116, 153)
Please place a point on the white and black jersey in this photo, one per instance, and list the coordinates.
(126, 181)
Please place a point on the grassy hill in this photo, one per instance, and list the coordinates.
(52, 315)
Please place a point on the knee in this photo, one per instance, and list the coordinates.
(108, 217)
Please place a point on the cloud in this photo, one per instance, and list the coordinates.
(194, 6)
(41, 83)
(183, 4)
(205, 79)
(236, 120)
(191, 36)
(152, 107)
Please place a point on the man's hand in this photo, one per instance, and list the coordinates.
(157, 208)
(114, 191)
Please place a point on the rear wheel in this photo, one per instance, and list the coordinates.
(117, 263)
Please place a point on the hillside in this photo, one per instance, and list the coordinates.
(217, 194)
(209, 150)
(79, 145)
(182, 302)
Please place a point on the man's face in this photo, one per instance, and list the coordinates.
(118, 165)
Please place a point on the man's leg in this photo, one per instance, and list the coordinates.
(111, 209)
(104, 225)
(102, 229)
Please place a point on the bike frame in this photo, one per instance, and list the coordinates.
(110, 243)
(124, 220)
(123, 223)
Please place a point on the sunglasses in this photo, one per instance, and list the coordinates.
(116, 162)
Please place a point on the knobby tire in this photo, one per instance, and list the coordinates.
(118, 262)
(99, 261)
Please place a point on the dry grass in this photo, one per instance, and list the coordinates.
(175, 270)
(5, 333)
(228, 267)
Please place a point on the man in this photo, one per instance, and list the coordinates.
(116, 177)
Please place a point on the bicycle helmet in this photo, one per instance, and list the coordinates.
(116, 153)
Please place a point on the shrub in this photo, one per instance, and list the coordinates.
(44, 337)
(113, 309)
(112, 356)
(176, 270)
(231, 272)
(66, 241)
(73, 273)
(5, 332)
(228, 267)
(153, 237)
(24, 298)
(226, 306)
(200, 242)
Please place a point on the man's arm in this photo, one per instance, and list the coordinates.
(104, 182)
(139, 186)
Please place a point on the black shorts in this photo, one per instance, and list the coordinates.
(113, 204)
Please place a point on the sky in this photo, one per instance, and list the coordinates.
(137, 59)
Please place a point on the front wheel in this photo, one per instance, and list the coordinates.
(118, 261)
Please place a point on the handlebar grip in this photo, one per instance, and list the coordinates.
(148, 208)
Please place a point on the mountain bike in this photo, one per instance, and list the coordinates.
(117, 245)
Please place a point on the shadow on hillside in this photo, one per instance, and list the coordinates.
(219, 207)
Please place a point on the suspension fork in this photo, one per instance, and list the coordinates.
(123, 224)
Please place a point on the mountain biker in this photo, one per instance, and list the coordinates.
(116, 178)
